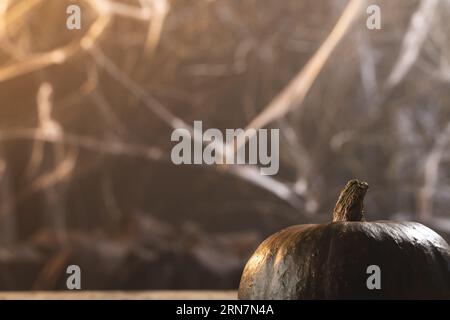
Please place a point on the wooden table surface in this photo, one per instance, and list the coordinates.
(120, 295)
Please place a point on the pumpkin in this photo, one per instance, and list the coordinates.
(338, 260)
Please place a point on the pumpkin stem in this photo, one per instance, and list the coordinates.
(350, 206)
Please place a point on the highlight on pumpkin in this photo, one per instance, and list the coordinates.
(286, 111)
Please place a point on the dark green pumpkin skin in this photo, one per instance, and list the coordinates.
(330, 261)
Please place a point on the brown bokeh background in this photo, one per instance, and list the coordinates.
(86, 117)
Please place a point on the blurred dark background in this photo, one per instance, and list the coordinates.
(86, 117)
